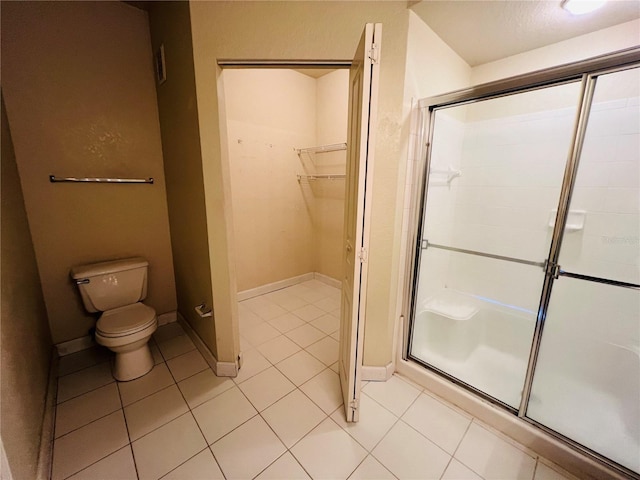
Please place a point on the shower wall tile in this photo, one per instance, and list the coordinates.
(495, 208)
(627, 147)
(625, 174)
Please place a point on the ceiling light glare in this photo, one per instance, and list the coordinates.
(580, 7)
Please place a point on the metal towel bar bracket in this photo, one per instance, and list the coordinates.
(54, 179)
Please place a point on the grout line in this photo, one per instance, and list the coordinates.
(133, 457)
(126, 424)
(462, 438)
(190, 410)
(506, 439)
(456, 451)
(297, 387)
(224, 475)
(148, 394)
(101, 458)
(188, 459)
(84, 368)
(84, 393)
(446, 467)
(535, 468)
(387, 409)
(175, 384)
(87, 424)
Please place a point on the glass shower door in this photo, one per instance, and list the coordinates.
(495, 175)
(586, 384)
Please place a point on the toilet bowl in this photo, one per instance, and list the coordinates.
(116, 288)
(126, 331)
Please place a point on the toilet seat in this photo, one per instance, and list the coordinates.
(124, 321)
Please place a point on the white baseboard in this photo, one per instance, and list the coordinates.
(226, 369)
(272, 287)
(221, 369)
(288, 282)
(377, 374)
(168, 317)
(45, 455)
(75, 345)
(332, 282)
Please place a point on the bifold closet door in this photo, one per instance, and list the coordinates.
(586, 385)
(364, 77)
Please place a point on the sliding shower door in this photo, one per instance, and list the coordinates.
(587, 379)
(495, 174)
(526, 275)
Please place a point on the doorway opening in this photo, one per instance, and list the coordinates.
(286, 132)
(322, 292)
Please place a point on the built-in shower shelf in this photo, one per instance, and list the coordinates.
(575, 220)
(451, 305)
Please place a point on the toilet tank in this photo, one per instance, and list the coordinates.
(107, 285)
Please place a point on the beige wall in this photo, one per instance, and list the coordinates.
(284, 228)
(170, 25)
(332, 105)
(625, 35)
(80, 94)
(432, 68)
(270, 113)
(25, 341)
(305, 30)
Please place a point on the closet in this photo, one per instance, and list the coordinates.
(286, 134)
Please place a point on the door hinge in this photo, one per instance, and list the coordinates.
(354, 404)
(374, 54)
(362, 255)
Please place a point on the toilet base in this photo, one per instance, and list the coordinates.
(133, 364)
(133, 357)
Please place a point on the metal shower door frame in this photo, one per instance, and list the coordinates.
(585, 72)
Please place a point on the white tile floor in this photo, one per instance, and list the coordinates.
(281, 418)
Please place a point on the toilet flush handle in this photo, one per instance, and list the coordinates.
(82, 281)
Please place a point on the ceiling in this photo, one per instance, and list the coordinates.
(482, 31)
(315, 72)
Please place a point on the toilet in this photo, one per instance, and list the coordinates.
(117, 289)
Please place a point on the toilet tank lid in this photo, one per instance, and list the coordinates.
(111, 266)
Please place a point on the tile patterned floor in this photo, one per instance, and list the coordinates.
(281, 418)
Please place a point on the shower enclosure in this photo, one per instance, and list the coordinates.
(525, 282)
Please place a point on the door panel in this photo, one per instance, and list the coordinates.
(495, 176)
(587, 380)
(363, 82)
(586, 384)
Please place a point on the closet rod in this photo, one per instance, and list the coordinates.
(54, 179)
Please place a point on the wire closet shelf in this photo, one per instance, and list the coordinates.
(334, 147)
